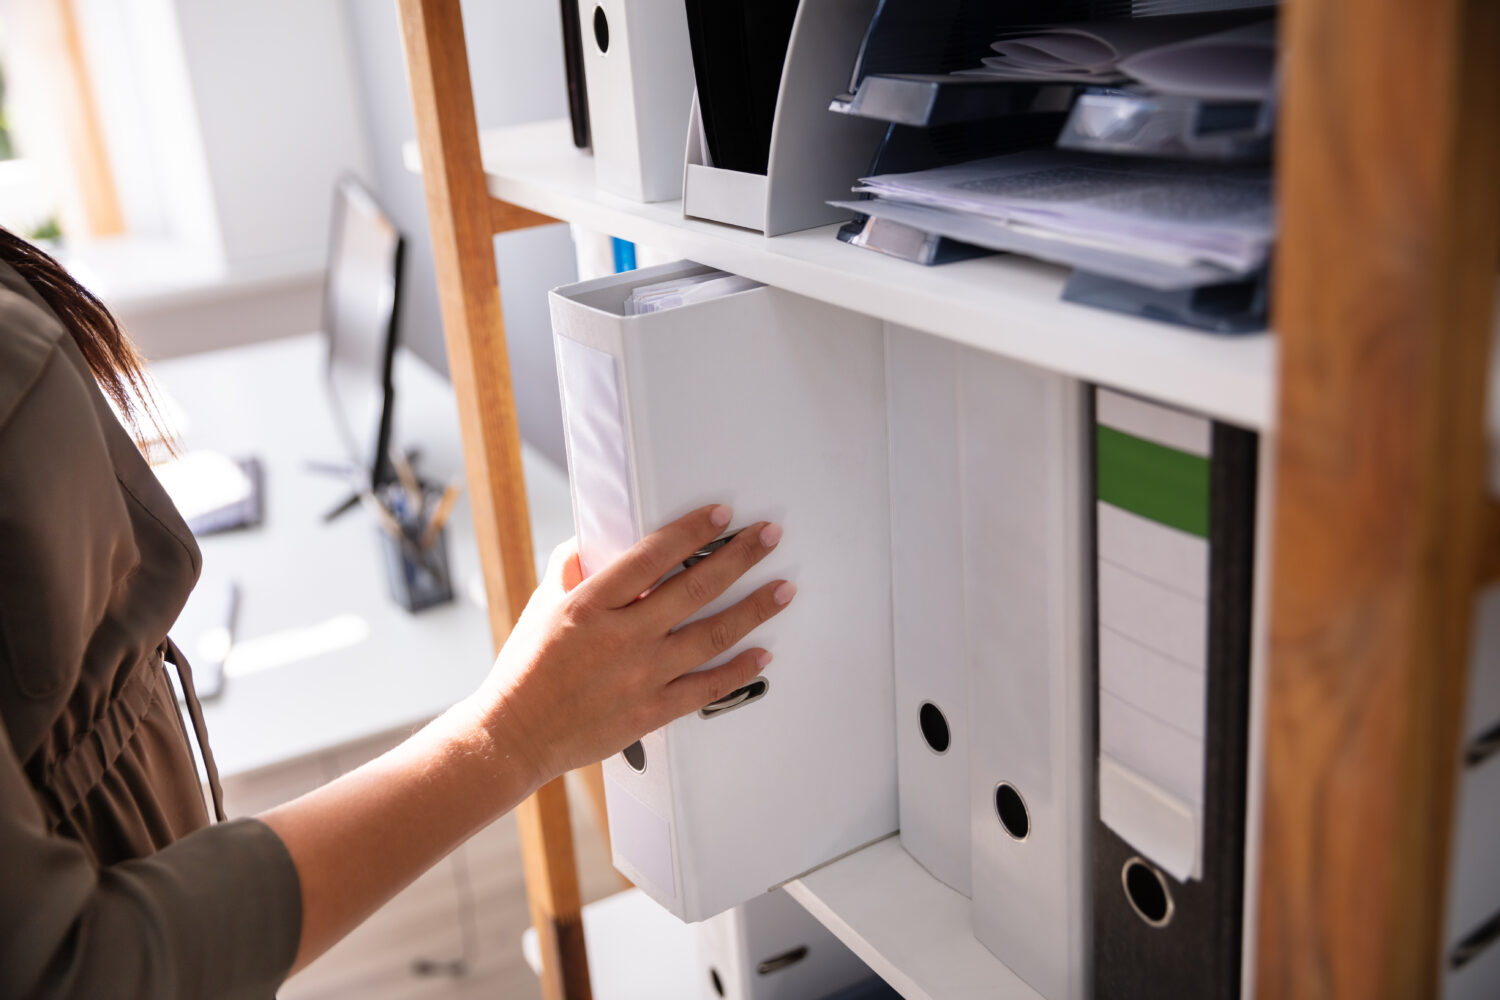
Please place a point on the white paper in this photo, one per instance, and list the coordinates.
(1210, 213)
(685, 291)
(1238, 64)
(1191, 54)
(994, 234)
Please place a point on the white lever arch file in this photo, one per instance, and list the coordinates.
(770, 948)
(638, 67)
(1026, 558)
(776, 404)
(927, 593)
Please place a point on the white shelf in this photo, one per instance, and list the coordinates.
(1006, 304)
(906, 925)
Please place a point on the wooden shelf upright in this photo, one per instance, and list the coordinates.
(1388, 154)
(464, 220)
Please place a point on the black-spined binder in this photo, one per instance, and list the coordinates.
(578, 97)
(1167, 482)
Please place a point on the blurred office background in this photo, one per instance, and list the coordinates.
(225, 126)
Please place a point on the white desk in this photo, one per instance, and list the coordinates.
(366, 666)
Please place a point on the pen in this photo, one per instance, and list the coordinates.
(409, 483)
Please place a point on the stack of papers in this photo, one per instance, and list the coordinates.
(1195, 56)
(684, 292)
(1160, 224)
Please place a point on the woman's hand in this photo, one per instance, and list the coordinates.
(594, 664)
(590, 667)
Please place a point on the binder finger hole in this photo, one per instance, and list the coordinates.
(716, 982)
(737, 698)
(601, 29)
(934, 727)
(782, 961)
(635, 756)
(1147, 891)
(1011, 809)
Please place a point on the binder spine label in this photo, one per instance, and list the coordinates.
(598, 456)
(641, 837)
(1175, 529)
(1153, 479)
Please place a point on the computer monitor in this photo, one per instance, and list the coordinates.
(361, 296)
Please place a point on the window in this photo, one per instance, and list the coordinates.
(27, 205)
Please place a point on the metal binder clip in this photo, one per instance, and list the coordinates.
(754, 691)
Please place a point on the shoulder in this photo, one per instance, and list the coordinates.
(29, 338)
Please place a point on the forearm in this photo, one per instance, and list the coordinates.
(360, 839)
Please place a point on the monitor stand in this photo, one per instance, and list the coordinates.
(349, 472)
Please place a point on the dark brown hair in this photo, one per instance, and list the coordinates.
(115, 363)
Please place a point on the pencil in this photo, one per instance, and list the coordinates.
(441, 514)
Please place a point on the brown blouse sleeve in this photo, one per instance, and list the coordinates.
(216, 914)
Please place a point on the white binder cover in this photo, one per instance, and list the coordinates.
(770, 948)
(927, 593)
(638, 67)
(775, 404)
(1026, 572)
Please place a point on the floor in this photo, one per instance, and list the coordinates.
(470, 909)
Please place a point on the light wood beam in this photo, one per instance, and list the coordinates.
(1388, 153)
(505, 217)
(82, 129)
(463, 221)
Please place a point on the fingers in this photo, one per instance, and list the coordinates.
(691, 692)
(653, 556)
(685, 593)
(703, 640)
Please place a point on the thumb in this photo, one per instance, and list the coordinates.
(564, 570)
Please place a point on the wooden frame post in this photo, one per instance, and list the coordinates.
(464, 220)
(96, 182)
(1388, 152)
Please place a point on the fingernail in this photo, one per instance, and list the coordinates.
(762, 658)
(770, 535)
(721, 515)
(784, 593)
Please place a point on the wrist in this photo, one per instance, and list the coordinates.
(504, 743)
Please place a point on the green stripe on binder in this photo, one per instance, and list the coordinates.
(1156, 482)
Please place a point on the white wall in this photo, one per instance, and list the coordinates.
(150, 122)
(515, 60)
(278, 109)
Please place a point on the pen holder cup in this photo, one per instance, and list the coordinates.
(419, 579)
